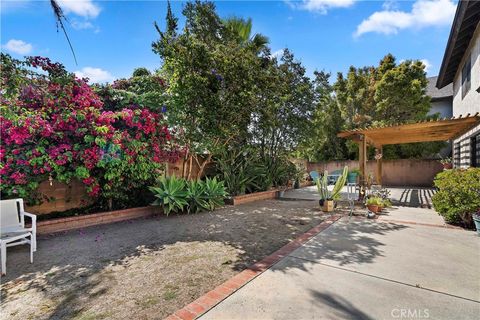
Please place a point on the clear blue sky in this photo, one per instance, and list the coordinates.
(111, 38)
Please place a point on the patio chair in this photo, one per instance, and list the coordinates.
(13, 231)
(314, 175)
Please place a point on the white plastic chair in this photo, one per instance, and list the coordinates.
(351, 195)
(13, 231)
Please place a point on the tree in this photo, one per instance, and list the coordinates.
(388, 94)
(142, 89)
(241, 30)
(323, 144)
(284, 108)
(211, 82)
(140, 72)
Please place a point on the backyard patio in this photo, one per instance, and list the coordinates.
(400, 196)
(146, 267)
(193, 167)
(152, 267)
(364, 269)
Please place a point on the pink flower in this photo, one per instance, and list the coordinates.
(18, 177)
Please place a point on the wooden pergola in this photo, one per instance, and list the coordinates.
(433, 130)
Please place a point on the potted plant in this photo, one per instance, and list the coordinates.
(374, 204)
(328, 197)
(476, 220)
(447, 163)
(352, 175)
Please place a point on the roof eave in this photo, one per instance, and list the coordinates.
(442, 81)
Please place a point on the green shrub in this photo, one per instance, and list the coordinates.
(458, 194)
(242, 171)
(171, 194)
(176, 194)
(196, 196)
(375, 201)
(215, 193)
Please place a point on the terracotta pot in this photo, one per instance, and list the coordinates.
(447, 166)
(373, 208)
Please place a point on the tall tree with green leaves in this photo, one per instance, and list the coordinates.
(212, 82)
(284, 108)
(241, 30)
(388, 94)
(322, 143)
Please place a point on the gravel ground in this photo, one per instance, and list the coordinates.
(146, 268)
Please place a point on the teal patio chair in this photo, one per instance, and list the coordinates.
(314, 175)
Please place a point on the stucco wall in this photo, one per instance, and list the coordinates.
(471, 102)
(401, 172)
(443, 107)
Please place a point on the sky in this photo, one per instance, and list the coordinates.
(112, 38)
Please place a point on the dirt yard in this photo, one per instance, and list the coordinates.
(146, 268)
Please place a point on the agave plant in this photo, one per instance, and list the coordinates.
(215, 193)
(197, 197)
(322, 185)
(171, 194)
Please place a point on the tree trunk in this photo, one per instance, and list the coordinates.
(190, 165)
(203, 165)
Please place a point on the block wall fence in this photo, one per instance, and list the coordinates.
(400, 172)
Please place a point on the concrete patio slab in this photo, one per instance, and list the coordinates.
(298, 289)
(401, 196)
(412, 215)
(364, 269)
(439, 259)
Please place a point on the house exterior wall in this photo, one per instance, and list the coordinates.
(462, 147)
(443, 107)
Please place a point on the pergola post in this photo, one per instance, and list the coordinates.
(379, 157)
(362, 159)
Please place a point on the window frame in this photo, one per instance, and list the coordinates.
(475, 151)
(466, 77)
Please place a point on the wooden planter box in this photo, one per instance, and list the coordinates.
(246, 198)
(70, 223)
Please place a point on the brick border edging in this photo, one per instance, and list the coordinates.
(209, 300)
(251, 197)
(88, 220)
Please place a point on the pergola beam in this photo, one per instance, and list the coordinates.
(426, 131)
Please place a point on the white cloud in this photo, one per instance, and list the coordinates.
(320, 6)
(427, 64)
(390, 5)
(96, 75)
(80, 25)
(424, 13)
(84, 8)
(18, 46)
(84, 25)
(277, 54)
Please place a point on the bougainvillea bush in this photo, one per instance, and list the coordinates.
(54, 127)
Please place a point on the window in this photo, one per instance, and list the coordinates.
(475, 151)
(466, 77)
